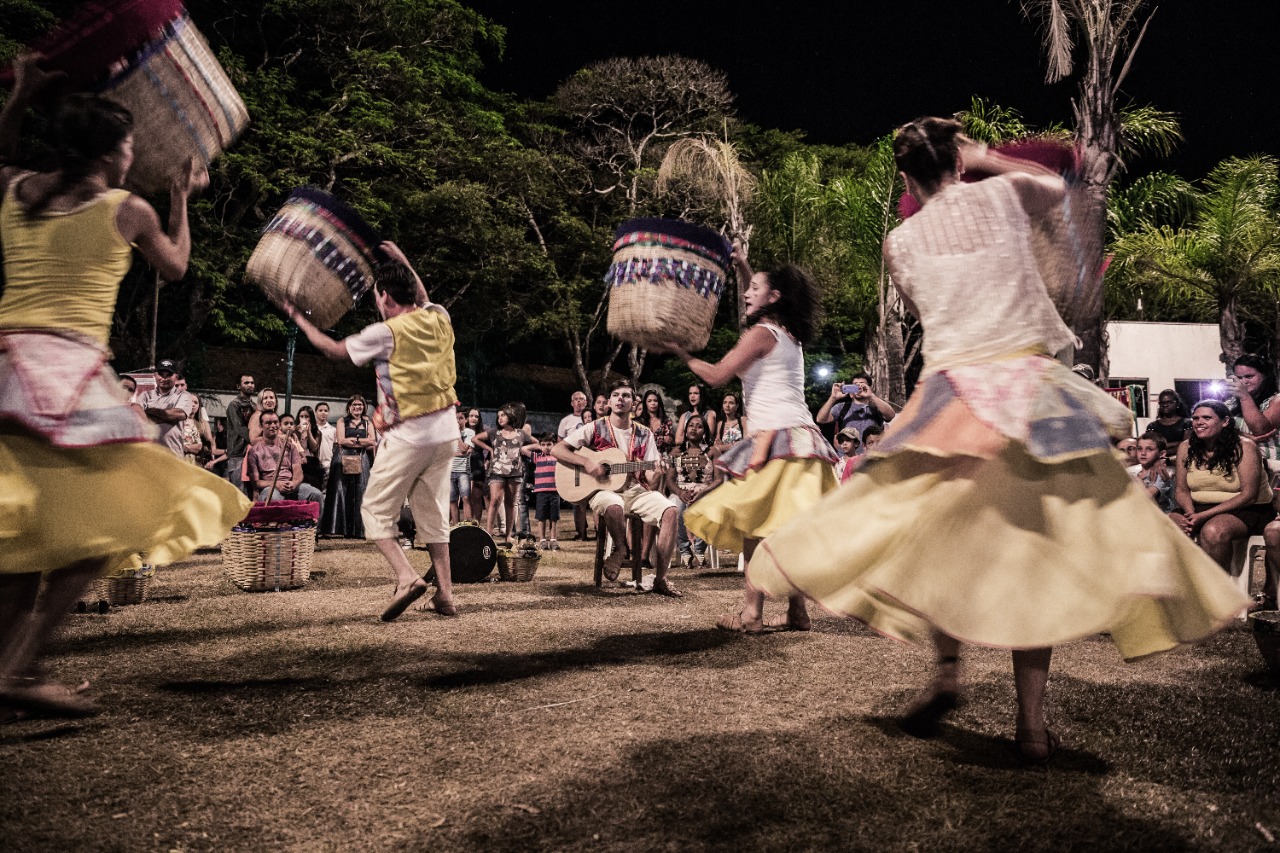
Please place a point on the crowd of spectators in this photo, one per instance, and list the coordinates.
(1213, 467)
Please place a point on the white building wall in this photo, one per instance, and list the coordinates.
(1162, 353)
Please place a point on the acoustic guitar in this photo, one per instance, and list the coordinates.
(575, 485)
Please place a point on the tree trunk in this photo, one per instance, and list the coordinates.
(1230, 330)
(635, 361)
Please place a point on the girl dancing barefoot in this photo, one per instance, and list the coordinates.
(785, 465)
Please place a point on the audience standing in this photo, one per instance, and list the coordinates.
(239, 412)
(1171, 421)
(1253, 383)
(308, 435)
(349, 474)
(167, 407)
(328, 435)
(699, 407)
(505, 467)
(546, 499)
(856, 407)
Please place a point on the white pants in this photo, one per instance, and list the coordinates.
(636, 500)
(419, 473)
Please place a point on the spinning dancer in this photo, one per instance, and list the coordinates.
(412, 352)
(84, 486)
(785, 465)
(993, 510)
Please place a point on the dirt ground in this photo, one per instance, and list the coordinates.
(555, 716)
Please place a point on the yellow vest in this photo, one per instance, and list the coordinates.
(63, 270)
(421, 368)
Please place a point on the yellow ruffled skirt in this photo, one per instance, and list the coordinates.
(59, 506)
(770, 479)
(962, 529)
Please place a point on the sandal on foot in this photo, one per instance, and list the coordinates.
(611, 572)
(401, 602)
(661, 587)
(45, 698)
(735, 624)
(784, 622)
(1024, 738)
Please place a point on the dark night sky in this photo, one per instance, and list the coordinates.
(850, 71)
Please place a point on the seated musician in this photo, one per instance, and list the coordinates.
(637, 497)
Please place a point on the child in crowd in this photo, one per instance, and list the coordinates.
(849, 446)
(871, 437)
(1154, 473)
(546, 499)
(460, 473)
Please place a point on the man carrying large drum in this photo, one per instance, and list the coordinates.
(412, 352)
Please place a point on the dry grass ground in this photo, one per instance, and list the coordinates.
(553, 716)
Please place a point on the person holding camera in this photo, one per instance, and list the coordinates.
(854, 404)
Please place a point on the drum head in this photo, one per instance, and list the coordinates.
(472, 554)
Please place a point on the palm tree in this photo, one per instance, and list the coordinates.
(1227, 258)
(1104, 27)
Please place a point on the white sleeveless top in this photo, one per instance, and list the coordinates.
(774, 386)
(966, 262)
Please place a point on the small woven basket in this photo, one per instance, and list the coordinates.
(519, 565)
(271, 549)
(119, 591)
(183, 105)
(665, 282)
(315, 253)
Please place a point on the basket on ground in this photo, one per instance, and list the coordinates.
(271, 549)
(124, 589)
(317, 254)
(665, 282)
(518, 564)
(1266, 633)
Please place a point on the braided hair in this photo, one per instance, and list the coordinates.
(927, 150)
(85, 129)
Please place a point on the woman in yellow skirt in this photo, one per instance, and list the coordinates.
(84, 488)
(992, 512)
(785, 465)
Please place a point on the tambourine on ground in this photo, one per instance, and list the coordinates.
(148, 56)
(316, 253)
(665, 282)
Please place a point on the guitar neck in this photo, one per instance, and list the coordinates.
(630, 467)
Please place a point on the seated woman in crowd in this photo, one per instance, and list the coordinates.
(1254, 385)
(1223, 493)
(1153, 473)
(691, 473)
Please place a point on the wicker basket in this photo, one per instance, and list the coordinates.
(517, 565)
(316, 253)
(99, 34)
(665, 282)
(120, 591)
(183, 105)
(271, 549)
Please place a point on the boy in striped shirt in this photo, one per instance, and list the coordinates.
(546, 499)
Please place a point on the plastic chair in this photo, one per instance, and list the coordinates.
(1243, 555)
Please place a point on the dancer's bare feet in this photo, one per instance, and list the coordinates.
(45, 697)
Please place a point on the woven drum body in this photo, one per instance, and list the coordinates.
(272, 548)
(665, 282)
(317, 254)
(183, 106)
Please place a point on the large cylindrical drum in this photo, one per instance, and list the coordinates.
(184, 106)
(317, 254)
(665, 282)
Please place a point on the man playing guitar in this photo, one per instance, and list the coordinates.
(636, 497)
